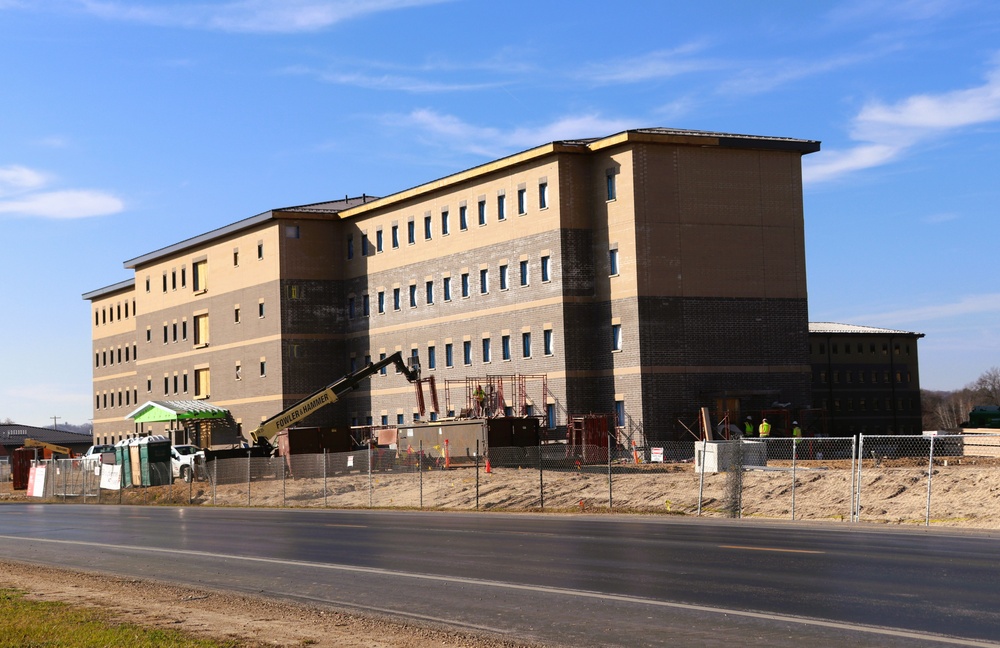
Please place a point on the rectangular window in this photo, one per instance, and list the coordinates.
(378, 241)
(505, 346)
(487, 350)
(427, 228)
(482, 212)
(260, 251)
(449, 356)
(164, 282)
(260, 310)
(612, 185)
(613, 262)
(445, 226)
(166, 334)
(431, 357)
(350, 246)
(620, 413)
(239, 371)
(543, 195)
(411, 232)
(501, 207)
(446, 287)
(202, 383)
(395, 299)
(430, 292)
(236, 257)
(173, 281)
(201, 329)
(174, 330)
(465, 284)
(413, 295)
(395, 236)
(350, 308)
(545, 269)
(522, 201)
(365, 306)
(484, 281)
(526, 344)
(524, 272)
(382, 371)
(364, 244)
(263, 368)
(236, 315)
(503, 277)
(550, 415)
(467, 353)
(400, 420)
(381, 301)
(199, 271)
(292, 231)
(616, 337)
(547, 341)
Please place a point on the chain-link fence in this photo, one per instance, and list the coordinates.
(945, 480)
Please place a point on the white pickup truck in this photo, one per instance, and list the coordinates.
(184, 459)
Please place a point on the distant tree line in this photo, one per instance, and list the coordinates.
(943, 410)
(84, 428)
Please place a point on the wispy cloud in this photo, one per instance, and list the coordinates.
(944, 217)
(22, 194)
(391, 82)
(885, 132)
(963, 307)
(660, 64)
(253, 16)
(495, 142)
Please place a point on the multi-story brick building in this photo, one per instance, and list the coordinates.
(648, 273)
(866, 379)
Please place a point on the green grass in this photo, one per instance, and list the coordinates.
(36, 624)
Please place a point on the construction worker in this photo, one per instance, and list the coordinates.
(748, 427)
(480, 396)
(796, 431)
(765, 429)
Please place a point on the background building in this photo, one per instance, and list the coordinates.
(648, 273)
(866, 378)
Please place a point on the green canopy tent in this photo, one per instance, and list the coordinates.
(197, 419)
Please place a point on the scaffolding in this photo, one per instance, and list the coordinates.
(495, 396)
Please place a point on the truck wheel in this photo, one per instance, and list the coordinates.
(186, 474)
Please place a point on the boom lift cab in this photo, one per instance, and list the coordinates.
(264, 435)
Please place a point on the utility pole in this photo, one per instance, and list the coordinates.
(55, 426)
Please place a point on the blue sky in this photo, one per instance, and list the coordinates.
(127, 126)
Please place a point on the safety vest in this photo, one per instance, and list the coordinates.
(797, 431)
(748, 426)
(765, 429)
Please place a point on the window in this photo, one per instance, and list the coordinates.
(446, 288)
(236, 257)
(487, 350)
(526, 344)
(292, 231)
(413, 295)
(184, 329)
(165, 334)
(545, 269)
(260, 309)
(620, 413)
(173, 281)
(547, 342)
(430, 292)
(166, 388)
(427, 228)
(350, 247)
(395, 299)
(482, 212)
(395, 236)
(263, 367)
(522, 201)
(364, 244)
(411, 232)
(505, 347)
(612, 185)
(616, 337)
(147, 284)
(365, 306)
(550, 415)
(449, 357)
(484, 281)
(463, 222)
(501, 207)
(164, 282)
(350, 307)
(149, 334)
(467, 352)
(239, 371)
(199, 271)
(503, 277)
(400, 420)
(381, 301)
(543, 195)
(236, 315)
(173, 328)
(382, 371)
(202, 383)
(465, 284)
(384, 420)
(613, 262)
(378, 241)
(431, 357)
(260, 251)
(445, 227)
(524, 272)
(201, 329)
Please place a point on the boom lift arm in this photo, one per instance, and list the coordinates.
(263, 435)
(51, 447)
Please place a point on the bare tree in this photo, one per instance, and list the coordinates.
(988, 386)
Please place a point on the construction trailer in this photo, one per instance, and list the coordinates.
(462, 440)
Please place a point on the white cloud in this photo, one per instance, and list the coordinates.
(885, 132)
(652, 65)
(963, 307)
(254, 16)
(21, 194)
(940, 218)
(496, 142)
(392, 82)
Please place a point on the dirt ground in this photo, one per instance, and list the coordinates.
(965, 493)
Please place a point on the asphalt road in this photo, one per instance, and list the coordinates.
(560, 580)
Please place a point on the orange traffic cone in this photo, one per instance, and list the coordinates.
(489, 469)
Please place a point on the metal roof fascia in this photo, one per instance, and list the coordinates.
(110, 290)
(221, 232)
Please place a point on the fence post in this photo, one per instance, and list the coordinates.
(284, 499)
(930, 473)
(795, 446)
(477, 474)
(861, 467)
(324, 480)
(541, 478)
(369, 474)
(701, 480)
(420, 470)
(215, 478)
(248, 477)
(611, 504)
